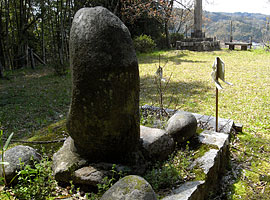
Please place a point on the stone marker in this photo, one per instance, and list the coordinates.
(198, 19)
(104, 114)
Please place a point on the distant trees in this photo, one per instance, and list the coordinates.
(37, 25)
(182, 17)
(38, 30)
(245, 26)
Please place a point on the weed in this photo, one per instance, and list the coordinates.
(171, 172)
(35, 182)
(3, 149)
(108, 182)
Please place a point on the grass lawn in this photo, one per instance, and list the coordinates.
(31, 100)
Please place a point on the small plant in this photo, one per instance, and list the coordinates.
(162, 86)
(173, 171)
(144, 44)
(35, 182)
(60, 69)
(108, 182)
(163, 175)
(3, 149)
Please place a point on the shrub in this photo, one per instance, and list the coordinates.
(161, 41)
(144, 44)
(176, 37)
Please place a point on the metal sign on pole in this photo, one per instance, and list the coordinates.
(218, 73)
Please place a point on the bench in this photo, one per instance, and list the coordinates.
(243, 45)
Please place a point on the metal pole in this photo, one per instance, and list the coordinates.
(218, 63)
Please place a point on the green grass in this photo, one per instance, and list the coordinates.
(32, 100)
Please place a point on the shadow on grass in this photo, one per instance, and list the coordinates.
(177, 57)
(33, 101)
(175, 94)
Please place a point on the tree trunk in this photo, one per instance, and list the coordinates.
(42, 32)
(168, 43)
(1, 70)
(33, 65)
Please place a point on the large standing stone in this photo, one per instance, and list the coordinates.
(104, 115)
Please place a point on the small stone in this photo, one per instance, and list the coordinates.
(96, 172)
(157, 143)
(130, 187)
(17, 155)
(182, 126)
(66, 161)
(89, 176)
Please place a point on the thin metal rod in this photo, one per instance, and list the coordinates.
(216, 110)
(218, 63)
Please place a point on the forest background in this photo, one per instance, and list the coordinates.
(38, 30)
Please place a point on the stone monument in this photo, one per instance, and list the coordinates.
(103, 119)
(197, 33)
(198, 42)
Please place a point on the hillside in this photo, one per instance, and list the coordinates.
(245, 25)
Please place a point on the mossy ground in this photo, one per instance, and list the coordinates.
(34, 99)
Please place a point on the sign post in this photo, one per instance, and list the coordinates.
(218, 73)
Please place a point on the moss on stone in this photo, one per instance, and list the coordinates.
(199, 130)
(139, 183)
(203, 148)
(199, 174)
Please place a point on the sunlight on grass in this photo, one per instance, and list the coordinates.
(192, 87)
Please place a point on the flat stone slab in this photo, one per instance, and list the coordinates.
(214, 138)
(224, 125)
(213, 163)
(187, 190)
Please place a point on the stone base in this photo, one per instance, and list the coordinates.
(68, 166)
(198, 44)
(156, 145)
